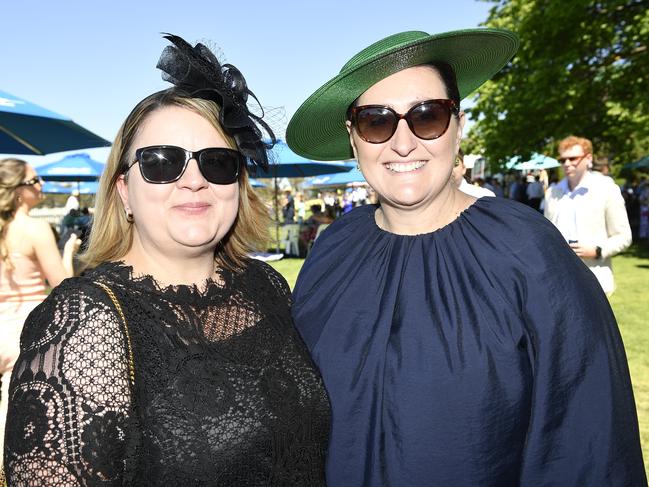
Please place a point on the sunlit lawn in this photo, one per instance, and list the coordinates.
(631, 305)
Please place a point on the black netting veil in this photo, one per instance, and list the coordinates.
(196, 71)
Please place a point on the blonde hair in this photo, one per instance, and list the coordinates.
(111, 235)
(573, 140)
(12, 173)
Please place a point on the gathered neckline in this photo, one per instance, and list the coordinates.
(438, 231)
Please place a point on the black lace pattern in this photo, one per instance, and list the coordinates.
(225, 392)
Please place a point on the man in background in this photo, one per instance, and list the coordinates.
(588, 209)
(601, 165)
(73, 202)
(535, 192)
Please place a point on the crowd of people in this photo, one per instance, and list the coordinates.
(442, 336)
(635, 192)
(324, 208)
(336, 202)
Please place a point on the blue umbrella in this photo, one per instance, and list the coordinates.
(538, 161)
(256, 183)
(26, 128)
(75, 167)
(63, 188)
(640, 164)
(339, 179)
(285, 163)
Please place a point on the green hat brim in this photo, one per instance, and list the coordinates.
(317, 130)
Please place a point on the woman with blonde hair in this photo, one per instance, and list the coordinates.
(176, 360)
(28, 258)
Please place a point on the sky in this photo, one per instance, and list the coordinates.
(93, 61)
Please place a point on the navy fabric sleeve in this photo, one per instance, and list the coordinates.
(583, 428)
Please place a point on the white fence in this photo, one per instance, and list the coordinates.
(53, 216)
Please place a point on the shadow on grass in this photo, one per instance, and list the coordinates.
(639, 249)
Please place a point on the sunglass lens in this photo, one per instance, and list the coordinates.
(376, 124)
(162, 164)
(430, 120)
(220, 166)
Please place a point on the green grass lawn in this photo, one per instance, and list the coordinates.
(289, 268)
(631, 305)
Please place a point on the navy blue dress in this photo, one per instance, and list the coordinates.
(482, 354)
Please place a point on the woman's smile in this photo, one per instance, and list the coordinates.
(406, 166)
(195, 208)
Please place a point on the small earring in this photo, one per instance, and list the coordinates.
(458, 161)
(129, 215)
(358, 167)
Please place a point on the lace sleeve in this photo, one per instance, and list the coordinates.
(276, 280)
(69, 398)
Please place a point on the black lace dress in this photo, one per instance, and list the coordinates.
(225, 392)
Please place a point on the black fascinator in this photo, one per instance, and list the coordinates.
(197, 72)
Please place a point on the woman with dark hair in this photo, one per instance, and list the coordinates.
(460, 339)
(173, 360)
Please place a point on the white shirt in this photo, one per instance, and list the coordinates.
(592, 214)
(566, 218)
(71, 204)
(534, 190)
(473, 190)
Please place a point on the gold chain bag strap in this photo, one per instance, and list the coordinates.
(132, 441)
(131, 361)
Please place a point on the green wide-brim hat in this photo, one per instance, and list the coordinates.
(317, 130)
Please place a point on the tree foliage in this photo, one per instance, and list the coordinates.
(582, 68)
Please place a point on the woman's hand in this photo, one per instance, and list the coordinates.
(54, 267)
(70, 248)
(73, 245)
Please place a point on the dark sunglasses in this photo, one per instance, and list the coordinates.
(428, 120)
(577, 159)
(32, 182)
(161, 164)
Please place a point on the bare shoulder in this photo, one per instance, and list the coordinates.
(25, 233)
(36, 228)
